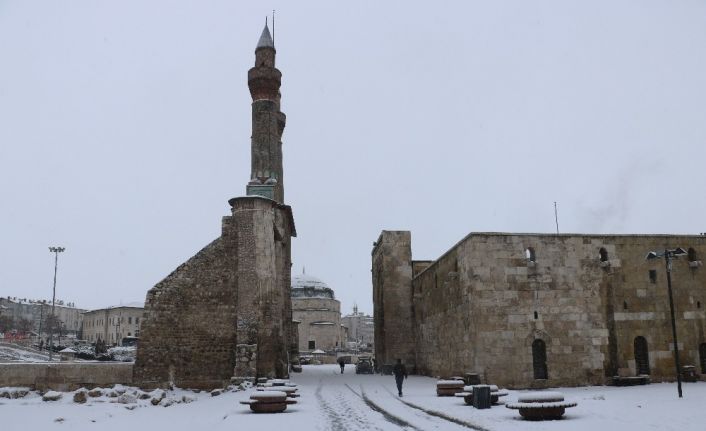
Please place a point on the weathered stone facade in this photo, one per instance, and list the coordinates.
(496, 303)
(318, 313)
(226, 312)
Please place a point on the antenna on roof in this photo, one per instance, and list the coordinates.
(273, 27)
(556, 218)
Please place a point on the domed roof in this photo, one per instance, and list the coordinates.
(308, 286)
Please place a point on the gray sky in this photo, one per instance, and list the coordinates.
(125, 128)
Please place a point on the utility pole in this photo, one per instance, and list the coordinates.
(56, 251)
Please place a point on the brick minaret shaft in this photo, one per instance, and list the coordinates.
(268, 121)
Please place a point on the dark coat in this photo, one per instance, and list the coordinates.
(399, 370)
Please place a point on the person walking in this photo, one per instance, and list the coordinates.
(400, 373)
(342, 363)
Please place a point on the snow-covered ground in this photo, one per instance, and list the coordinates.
(331, 401)
(16, 353)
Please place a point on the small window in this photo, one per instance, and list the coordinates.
(536, 315)
(691, 253)
(653, 275)
(312, 344)
(137, 320)
(625, 305)
(129, 320)
(529, 254)
(698, 304)
(603, 254)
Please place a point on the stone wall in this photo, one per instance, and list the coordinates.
(188, 331)
(233, 292)
(67, 376)
(392, 297)
(481, 306)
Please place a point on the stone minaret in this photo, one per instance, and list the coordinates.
(227, 312)
(264, 80)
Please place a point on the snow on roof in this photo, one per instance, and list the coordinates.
(67, 350)
(308, 286)
(133, 304)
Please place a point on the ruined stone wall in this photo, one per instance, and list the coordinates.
(475, 307)
(264, 304)
(65, 376)
(188, 333)
(392, 298)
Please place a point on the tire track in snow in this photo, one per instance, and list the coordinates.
(341, 414)
(387, 415)
(438, 414)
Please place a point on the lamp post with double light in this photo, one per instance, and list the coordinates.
(668, 255)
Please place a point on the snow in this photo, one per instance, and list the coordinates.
(9, 353)
(333, 401)
(450, 382)
(268, 394)
(530, 397)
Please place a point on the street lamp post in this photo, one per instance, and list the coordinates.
(56, 251)
(668, 256)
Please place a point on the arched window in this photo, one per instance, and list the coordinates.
(691, 254)
(529, 254)
(642, 357)
(625, 305)
(702, 357)
(603, 254)
(539, 359)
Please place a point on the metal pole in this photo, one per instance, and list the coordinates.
(668, 261)
(56, 251)
(53, 300)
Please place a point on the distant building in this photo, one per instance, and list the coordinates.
(37, 312)
(318, 312)
(361, 328)
(112, 324)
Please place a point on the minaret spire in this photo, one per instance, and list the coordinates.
(264, 80)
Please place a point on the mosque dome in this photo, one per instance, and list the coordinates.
(308, 286)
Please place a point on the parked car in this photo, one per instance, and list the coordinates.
(364, 366)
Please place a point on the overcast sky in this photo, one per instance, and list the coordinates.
(125, 129)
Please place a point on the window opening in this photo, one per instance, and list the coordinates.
(603, 254)
(691, 253)
(530, 255)
(653, 275)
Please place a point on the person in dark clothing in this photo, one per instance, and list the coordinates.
(400, 373)
(342, 364)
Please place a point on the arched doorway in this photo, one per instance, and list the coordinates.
(642, 356)
(539, 359)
